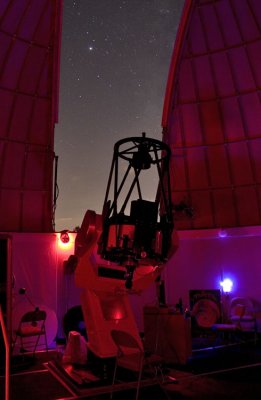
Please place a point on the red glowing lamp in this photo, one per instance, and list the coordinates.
(64, 240)
(64, 237)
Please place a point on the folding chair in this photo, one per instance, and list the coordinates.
(242, 313)
(32, 324)
(131, 355)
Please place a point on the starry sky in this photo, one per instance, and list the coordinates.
(115, 59)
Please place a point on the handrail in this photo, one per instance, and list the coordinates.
(7, 354)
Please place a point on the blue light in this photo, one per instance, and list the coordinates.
(227, 285)
(222, 233)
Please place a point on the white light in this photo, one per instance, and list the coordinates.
(227, 285)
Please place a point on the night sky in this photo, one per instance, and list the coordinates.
(115, 60)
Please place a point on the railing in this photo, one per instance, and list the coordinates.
(7, 354)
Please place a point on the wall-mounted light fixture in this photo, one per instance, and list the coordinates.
(226, 285)
(64, 236)
(222, 233)
(65, 241)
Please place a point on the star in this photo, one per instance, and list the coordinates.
(114, 65)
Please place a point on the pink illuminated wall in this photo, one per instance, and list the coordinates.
(38, 265)
(212, 114)
(29, 77)
(204, 259)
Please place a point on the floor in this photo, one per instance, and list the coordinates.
(231, 372)
(220, 372)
